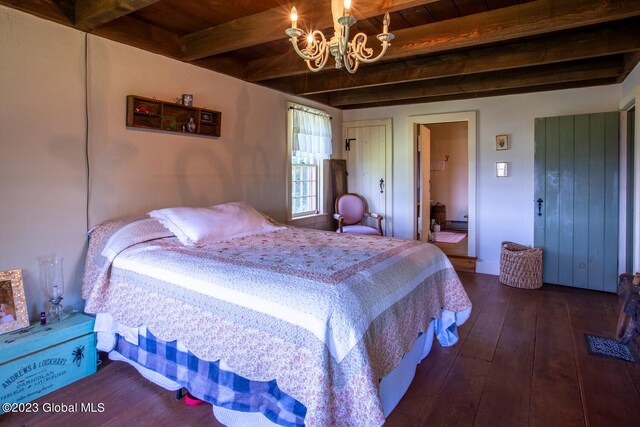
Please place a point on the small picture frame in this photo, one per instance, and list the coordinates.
(502, 169)
(206, 117)
(168, 123)
(187, 99)
(13, 305)
(502, 142)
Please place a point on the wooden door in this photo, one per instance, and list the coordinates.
(424, 171)
(338, 175)
(368, 154)
(631, 171)
(576, 199)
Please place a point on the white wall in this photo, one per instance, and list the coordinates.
(449, 186)
(42, 128)
(134, 171)
(505, 205)
(42, 144)
(629, 87)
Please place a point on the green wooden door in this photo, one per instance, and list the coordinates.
(576, 199)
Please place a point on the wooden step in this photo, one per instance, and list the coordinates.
(463, 263)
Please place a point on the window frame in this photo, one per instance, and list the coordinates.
(320, 172)
(316, 184)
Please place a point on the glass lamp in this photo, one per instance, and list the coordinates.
(53, 283)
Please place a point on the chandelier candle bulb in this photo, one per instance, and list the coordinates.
(385, 23)
(294, 17)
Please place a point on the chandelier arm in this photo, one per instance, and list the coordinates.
(315, 50)
(385, 45)
(346, 59)
(361, 52)
(319, 65)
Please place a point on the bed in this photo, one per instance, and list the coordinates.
(329, 328)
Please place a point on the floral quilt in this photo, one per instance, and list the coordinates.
(327, 315)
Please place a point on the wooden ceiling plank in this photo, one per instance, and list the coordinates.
(269, 25)
(631, 59)
(561, 48)
(528, 19)
(93, 13)
(524, 20)
(541, 75)
(46, 9)
(223, 64)
(139, 34)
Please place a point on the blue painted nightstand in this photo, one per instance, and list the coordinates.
(37, 360)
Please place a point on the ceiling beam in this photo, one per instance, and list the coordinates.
(500, 25)
(269, 25)
(534, 76)
(484, 94)
(93, 13)
(584, 44)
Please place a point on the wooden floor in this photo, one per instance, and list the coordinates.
(521, 361)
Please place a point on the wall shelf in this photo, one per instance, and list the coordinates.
(148, 113)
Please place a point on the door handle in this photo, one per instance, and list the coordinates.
(539, 201)
(381, 185)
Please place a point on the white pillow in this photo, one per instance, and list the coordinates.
(198, 226)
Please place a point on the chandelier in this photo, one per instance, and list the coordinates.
(345, 52)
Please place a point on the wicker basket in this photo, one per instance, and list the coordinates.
(520, 266)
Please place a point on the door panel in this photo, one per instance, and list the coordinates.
(566, 199)
(581, 203)
(596, 193)
(551, 199)
(540, 148)
(612, 207)
(576, 179)
(367, 166)
(425, 180)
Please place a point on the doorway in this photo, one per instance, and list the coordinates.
(422, 188)
(448, 185)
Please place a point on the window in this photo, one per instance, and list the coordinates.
(304, 186)
(309, 144)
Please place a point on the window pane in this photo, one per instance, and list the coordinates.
(304, 187)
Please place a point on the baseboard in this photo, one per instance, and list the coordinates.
(488, 267)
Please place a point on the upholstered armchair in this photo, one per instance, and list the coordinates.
(351, 214)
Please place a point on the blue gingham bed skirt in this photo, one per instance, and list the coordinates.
(208, 382)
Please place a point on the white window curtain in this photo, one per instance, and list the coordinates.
(311, 134)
